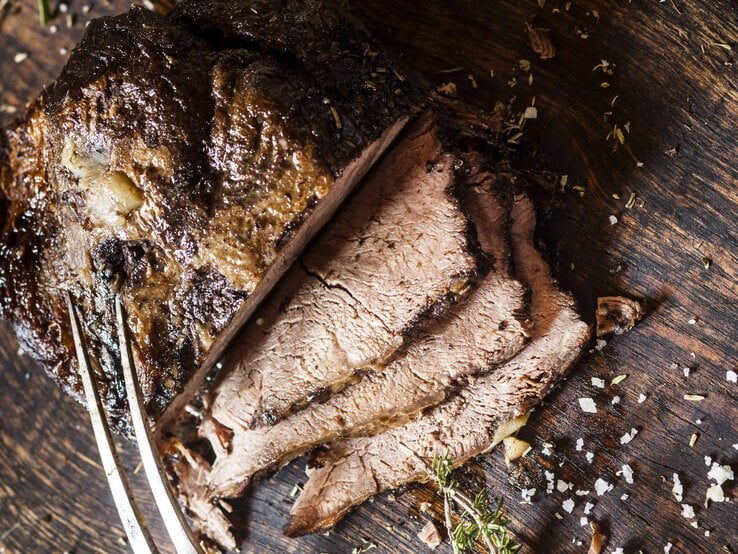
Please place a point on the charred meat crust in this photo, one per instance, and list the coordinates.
(195, 138)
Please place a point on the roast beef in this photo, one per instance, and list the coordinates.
(487, 409)
(482, 331)
(182, 162)
(398, 251)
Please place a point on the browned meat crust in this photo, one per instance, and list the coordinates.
(183, 161)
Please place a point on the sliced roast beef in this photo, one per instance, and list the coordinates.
(482, 331)
(395, 252)
(183, 162)
(490, 407)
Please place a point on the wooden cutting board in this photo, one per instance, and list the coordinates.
(675, 246)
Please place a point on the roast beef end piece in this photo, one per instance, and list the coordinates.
(185, 174)
(489, 408)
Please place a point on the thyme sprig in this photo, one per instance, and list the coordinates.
(477, 521)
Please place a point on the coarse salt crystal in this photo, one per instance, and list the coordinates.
(686, 371)
(627, 437)
(731, 376)
(678, 489)
(547, 449)
(584, 520)
(602, 486)
(601, 343)
(613, 219)
(597, 382)
(624, 496)
(588, 405)
(615, 400)
(580, 492)
(715, 493)
(628, 474)
(588, 508)
(720, 474)
(531, 112)
(527, 494)
(618, 550)
(568, 505)
(20, 57)
(708, 461)
(589, 456)
(687, 511)
(667, 548)
(642, 398)
(580, 445)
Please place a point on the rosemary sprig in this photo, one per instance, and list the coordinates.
(44, 12)
(477, 521)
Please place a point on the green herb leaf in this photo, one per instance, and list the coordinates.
(44, 12)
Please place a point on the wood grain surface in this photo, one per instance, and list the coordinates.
(676, 249)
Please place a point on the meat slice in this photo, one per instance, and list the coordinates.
(485, 411)
(482, 331)
(183, 162)
(398, 251)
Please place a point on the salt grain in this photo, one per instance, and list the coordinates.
(601, 343)
(588, 405)
(580, 445)
(568, 505)
(624, 496)
(583, 521)
(667, 548)
(602, 486)
(597, 382)
(563, 486)
(714, 493)
(628, 474)
(687, 511)
(615, 400)
(627, 437)
(590, 457)
(731, 376)
(642, 398)
(720, 474)
(588, 508)
(613, 220)
(678, 489)
(20, 57)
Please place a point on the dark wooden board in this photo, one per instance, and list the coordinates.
(676, 84)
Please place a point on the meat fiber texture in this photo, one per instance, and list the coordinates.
(488, 408)
(482, 331)
(182, 162)
(399, 251)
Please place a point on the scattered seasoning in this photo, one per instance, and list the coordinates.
(731, 376)
(563, 486)
(531, 112)
(297, 489)
(631, 200)
(588, 405)
(678, 489)
(615, 400)
(687, 511)
(336, 118)
(693, 439)
(449, 89)
(568, 505)
(8, 109)
(602, 487)
(472, 80)
(44, 12)
(642, 398)
(597, 382)
(619, 379)
(589, 456)
(540, 41)
(20, 57)
(694, 397)
(365, 546)
(627, 472)
(627, 437)
(580, 445)
(588, 508)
